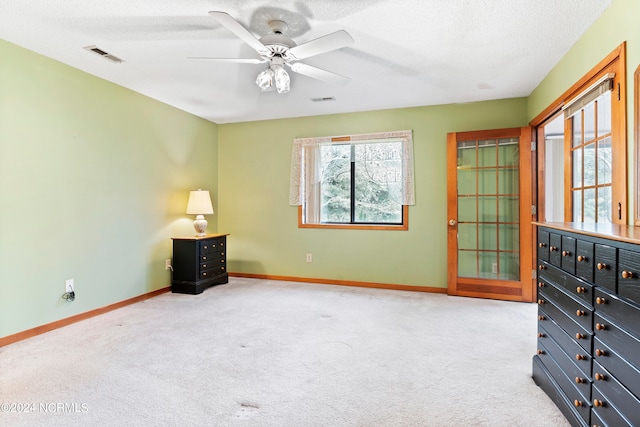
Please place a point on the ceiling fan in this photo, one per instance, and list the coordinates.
(279, 50)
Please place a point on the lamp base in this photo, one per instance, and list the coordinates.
(200, 224)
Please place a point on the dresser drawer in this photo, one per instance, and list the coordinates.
(581, 382)
(569, 326)
(606, 261)
(625, 314)
(606, 415)
(615, 394)
(617, 366)
(629, 275)
(581, 405)
(584, 260)
(617, 339)
(569, 345)
(568, 254)
(212, 272)
(574, 309)
(543, 245)
(572, 285)
(211, 246)
(215, 261)
(555, 246)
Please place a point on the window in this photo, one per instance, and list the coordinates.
(594, 162)
(359, 181)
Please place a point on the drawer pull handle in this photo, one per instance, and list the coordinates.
(579, 336)
(566, 253)
(204, 274)
(582, 258)
(577, 403)
(204, 258)
(540, 285)
(541, 317)
(542, 245)
(206, 247)
(579, 313)
(601, 266)
(223, 268)
(540, 351)
(579, 380)
(540, 335)
(600, 352)
(598, 403)
(580, 289)
(540, 301)
(599, 377)
(580, 357)
(627, 274)
(204, 265)
(601, 300)
(553, 249)
(601, 326)
(221, 260)
(541, 267)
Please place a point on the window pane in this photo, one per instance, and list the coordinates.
(508, 152)
(487, 236)
(604, 204)
(509, 209)
(467, 236)
(604, 114)
(589, 122)
(336, 183)
(590, 205)
(605, 157)
(487, 153)
(488, 209)
(467, 209)
(467, 181)
(576, 124)
(577, 168)
(467, 263)
(487, 181)
(509, 266)
(467, 154)
(589, 165)
(378, 182)
(577, 206)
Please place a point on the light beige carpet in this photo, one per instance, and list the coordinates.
(268, 353)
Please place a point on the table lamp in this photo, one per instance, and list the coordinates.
(199, 205)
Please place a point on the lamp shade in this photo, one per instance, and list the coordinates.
(199, 203)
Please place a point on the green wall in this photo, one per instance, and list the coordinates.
(254, 170)
(94, 180)
(617, 24)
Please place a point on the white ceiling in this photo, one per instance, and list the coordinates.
(406, 52)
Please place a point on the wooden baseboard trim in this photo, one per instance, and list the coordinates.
(10, 339)
(343, 283)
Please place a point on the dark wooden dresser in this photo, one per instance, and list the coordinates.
(588, 358)
(199, 262)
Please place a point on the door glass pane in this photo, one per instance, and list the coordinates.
(467, 211)
(488, 209)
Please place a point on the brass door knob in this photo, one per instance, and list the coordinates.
(601, 266)
(452, 222)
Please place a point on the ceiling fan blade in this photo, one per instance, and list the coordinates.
(234, 60)
(323, 44)
(319, 74)
(236, 28)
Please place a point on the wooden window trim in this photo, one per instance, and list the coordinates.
(636, 133)
(400, 227)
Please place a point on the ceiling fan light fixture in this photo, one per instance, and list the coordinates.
(282, 79)
(265, 80)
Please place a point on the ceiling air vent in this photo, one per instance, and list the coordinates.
(102, 53)
(323, 99)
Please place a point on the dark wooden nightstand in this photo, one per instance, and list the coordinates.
(199, 262)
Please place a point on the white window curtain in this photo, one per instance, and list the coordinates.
(306, 176)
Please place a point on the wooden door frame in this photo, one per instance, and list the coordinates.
(499, 289)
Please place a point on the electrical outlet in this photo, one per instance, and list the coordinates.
(167, 264)
(68, 285)
(309, 258)
(494, 267)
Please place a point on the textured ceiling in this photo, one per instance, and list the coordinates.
(406, 52)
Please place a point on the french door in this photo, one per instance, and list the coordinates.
(490, 235)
